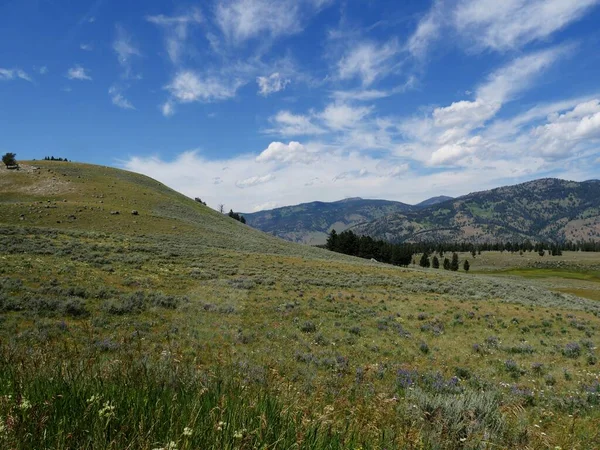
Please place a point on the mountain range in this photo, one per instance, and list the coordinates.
(547, 209)
(310, 223)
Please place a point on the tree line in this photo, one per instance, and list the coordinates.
(401, 254)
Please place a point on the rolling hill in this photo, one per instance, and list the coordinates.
(541, 210)
(134, 317)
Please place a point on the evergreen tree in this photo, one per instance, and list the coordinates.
(446, 264)
(435, 262)
(466, 265)
(454, 263)
(332, 241)
(424, 262)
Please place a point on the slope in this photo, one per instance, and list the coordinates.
(310, 223)
(181, 328)
(541, 210)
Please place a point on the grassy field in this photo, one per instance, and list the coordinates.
(178, 328)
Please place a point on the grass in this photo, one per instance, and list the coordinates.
(213, 325)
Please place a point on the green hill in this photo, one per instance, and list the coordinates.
(180, 328)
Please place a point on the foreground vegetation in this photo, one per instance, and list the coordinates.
(187, 329)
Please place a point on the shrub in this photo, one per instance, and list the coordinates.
(308, 327)
(572, 350)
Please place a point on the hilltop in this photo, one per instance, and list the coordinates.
(72, 196)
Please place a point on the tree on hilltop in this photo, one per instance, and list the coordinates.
(9, 160)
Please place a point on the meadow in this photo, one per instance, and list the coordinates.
(178, 328)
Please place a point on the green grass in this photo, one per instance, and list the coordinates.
(188, 319)
(551, 273)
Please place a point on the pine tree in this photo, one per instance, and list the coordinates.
(446, 264)
(332, 241)
(454, 263)
(435, 262)
(424, 262)
(466, 265)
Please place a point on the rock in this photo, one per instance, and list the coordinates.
(135, 212)
(115, 213)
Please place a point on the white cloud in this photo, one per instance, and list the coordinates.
(509, 24)
(427, 31)
(177, 31)
(368, 61)
(188, 86)
(291, 153)
(455, 152)
(11, 74)
(167, 108)
(565, 132)
(117, 98)
(78, 73)
(265, 206)
(254, 181)
(125, 50)
(288, 124)
(86, 47)
(43, 70)
(240, 20)
(341, 116)
(271, 84)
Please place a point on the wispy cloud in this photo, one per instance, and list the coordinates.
(289, 124)
(368, 61)
(187, 86)
(77, 72)
(505, 25)
(254, 181)
(125, 50)
(86, 47)
(11, 74)
(271, 84)
(176, 29)
(118, 99)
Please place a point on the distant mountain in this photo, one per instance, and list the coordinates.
(310, 223)
(543, 210)
(433, 201)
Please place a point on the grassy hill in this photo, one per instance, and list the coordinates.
(181, 328)
(547, 210)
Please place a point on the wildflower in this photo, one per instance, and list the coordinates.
(238, 435)
(187, 431)
(107, 411)
(25, 404)
(220, 426)
(94, 398)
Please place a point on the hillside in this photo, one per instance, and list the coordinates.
(71, 196)
(542, 210)
(178, 327)
(310, 223)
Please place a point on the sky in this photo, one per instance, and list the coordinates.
(256, 104)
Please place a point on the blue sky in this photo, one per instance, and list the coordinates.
(263, 103)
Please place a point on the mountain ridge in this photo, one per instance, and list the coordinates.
(544, 209)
